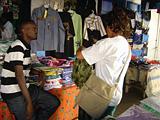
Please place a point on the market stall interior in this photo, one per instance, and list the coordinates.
(65, 25)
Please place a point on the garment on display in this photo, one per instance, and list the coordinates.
(93, 23)
(69, 33)
(51, 33)
(77, 24)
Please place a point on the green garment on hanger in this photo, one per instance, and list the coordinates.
(77, 24)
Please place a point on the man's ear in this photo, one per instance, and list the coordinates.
(22, 30)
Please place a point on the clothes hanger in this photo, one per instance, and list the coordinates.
(46, 4)
(92, 15)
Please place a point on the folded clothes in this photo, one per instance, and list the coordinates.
(52, 83)
(136, 53)
(52, 77)
(145, 38)
(137, 38)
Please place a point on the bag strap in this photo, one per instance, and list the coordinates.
(123, 65)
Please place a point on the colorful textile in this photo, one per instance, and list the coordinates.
(67, 109)
(5, 114)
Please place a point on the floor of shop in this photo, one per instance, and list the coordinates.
(130, 98)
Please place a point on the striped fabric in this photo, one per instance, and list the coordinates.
(17, 54)
(93, 22)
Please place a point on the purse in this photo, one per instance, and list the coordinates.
(96, 94)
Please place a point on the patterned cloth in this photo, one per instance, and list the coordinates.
(66, 110)
(5, 114)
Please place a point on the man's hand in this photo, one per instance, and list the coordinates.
(41, 76)
(29, 111)
(41, 79)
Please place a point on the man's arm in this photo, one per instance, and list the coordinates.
(22, 84)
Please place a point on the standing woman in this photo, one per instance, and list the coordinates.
(110, 55)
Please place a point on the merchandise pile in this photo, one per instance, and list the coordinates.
(57, 72)
(144, 62)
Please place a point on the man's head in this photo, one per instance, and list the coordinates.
(28, 30)
(116, 22)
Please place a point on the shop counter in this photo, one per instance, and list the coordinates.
(67, 109)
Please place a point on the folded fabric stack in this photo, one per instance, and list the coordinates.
(52, 77)
(53, 83)
(52, 62)
(67, 76)
(63, 64)
(152, 104)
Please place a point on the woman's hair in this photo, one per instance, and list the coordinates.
(118, 22)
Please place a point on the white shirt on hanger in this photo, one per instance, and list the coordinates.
(93, 22)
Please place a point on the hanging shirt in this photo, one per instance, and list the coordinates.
(109, 55)
(54, 4)
(84, 7)
(69, 30)
(8, 32)
(77, 24)
(93, 23)
(51, 33)
(57, 4)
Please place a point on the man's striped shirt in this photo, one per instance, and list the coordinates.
(17, 54)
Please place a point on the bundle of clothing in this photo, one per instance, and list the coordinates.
(81, 72)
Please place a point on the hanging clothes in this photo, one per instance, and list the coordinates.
(77, 24)
(51, 33)
(57, 4)
(54, 4)
(84, 7)
(24, 10)
(72, 2)
(69, 34)
(93, 28)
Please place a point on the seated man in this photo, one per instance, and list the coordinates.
(21, 97)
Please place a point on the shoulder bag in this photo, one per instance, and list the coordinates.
(96, 94)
